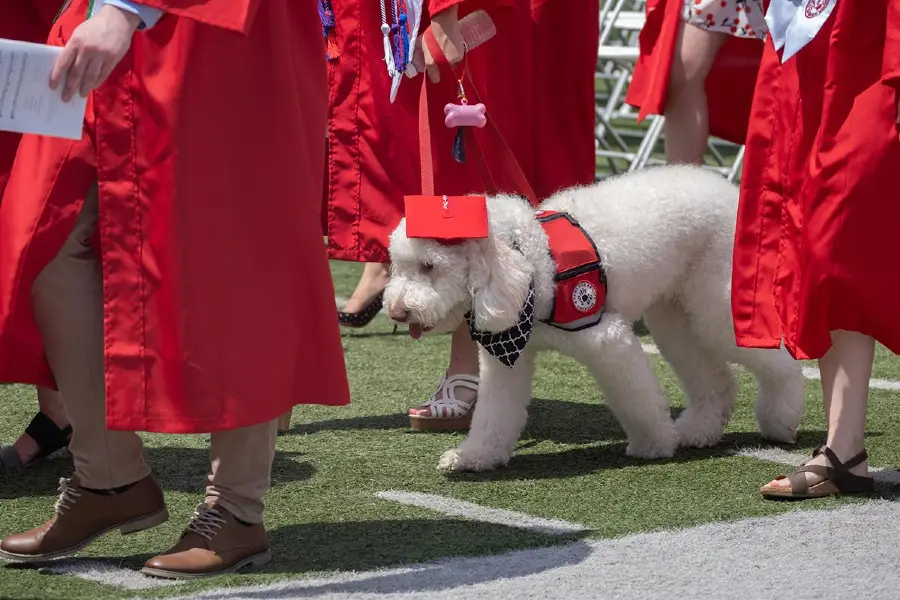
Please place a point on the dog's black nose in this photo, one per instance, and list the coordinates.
(399, 314)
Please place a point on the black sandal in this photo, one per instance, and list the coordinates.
(838, 479)
(362, 318)
(46, 434)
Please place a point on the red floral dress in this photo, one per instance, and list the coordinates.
(740, 18)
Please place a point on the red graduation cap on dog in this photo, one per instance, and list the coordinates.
(446, 219)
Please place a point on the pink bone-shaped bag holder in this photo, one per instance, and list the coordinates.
(465, 115)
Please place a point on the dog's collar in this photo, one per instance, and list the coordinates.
(506, 346)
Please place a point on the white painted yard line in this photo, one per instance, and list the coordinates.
(107, 574)
(877, 384)
(750, 559)
(793, 459)
(476, 512)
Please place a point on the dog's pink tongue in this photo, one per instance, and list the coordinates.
(415, 331)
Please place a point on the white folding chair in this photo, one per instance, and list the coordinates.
(621, 144)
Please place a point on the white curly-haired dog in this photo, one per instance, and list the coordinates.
(665, 238)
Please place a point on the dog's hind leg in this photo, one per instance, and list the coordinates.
(706, 378)
(614, 356)
(499, 416)
(781, 395)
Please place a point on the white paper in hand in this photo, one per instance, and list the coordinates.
(27, 104)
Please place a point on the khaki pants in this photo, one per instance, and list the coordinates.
(68, 308)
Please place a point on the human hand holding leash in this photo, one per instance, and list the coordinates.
(93, 51)
(447, 33)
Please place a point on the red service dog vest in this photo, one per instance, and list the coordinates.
(580, 280)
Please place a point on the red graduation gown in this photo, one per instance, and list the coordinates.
(729, 85)
(536, 77)
(816, 245)
(207, 143)
(29, 21)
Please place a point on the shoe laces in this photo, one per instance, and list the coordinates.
(206, 521)
(68, 495)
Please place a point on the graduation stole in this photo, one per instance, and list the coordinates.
(454, 219)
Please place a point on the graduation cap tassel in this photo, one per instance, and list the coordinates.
(386, 42)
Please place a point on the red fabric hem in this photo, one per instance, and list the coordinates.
(356, 255)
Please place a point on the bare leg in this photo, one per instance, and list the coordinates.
(846, 369)
(49, 403)
(372, 282)
(686, 113)
(464, 362)
(463, 353)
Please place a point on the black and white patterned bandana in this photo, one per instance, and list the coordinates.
(506, 346)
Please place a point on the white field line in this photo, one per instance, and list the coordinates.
(877, 384)
(749, 559)
(476, 512)
(107, 574)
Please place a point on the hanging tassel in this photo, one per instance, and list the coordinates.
(331, 47)
(404, 35)
(388, 55)
(398, 50)
(326, 16)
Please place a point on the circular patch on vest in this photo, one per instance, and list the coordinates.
(814, 8)
(584, 297)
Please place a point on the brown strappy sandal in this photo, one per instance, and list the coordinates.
(838, 479)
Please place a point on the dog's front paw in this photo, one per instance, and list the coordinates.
(661, 444)
(459, 460)
(696, 432)
(651, 449)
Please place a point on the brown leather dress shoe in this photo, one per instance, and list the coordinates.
(82, 516)
(214, 543)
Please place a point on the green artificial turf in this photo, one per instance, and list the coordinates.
(323, 515)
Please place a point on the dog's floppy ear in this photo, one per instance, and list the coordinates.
(499, 280)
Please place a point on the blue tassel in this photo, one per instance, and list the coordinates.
(404, 35)
(459, 146)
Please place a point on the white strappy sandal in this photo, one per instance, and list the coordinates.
(444, 411)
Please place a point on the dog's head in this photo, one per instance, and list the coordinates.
(433, 285)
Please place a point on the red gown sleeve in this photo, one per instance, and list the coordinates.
(236, 15)
(890, 64)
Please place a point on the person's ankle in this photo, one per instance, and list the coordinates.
(847, 451)
(462, 368)
(58, 415)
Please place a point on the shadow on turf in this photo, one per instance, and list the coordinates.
(551, 420)
(368, 545)
(557, 421)
(178, 469)
(593, 459)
